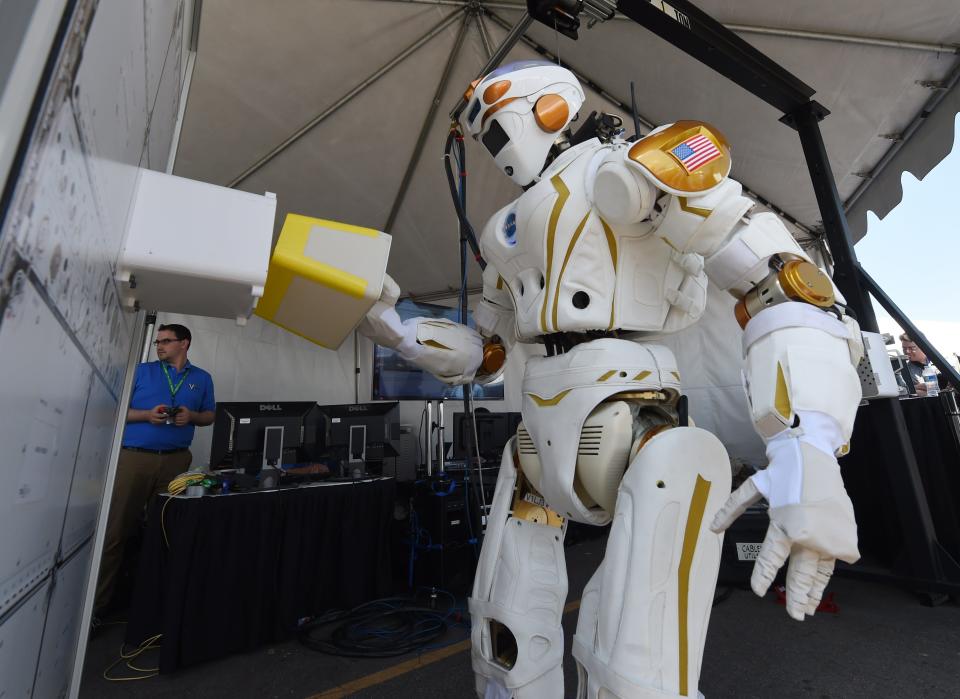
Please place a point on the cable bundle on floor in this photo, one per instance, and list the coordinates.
(383, 628)
(152, 643)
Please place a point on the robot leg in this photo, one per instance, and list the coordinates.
(644, 614)
(518, 597)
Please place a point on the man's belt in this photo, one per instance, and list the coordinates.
(156, 451)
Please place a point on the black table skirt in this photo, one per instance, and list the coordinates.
(242, 569)
(938, 461)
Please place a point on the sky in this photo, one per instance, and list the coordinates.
(914, 255)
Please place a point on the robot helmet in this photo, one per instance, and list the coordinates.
(518, 110)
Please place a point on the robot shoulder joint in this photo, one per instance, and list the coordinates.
(686, 158)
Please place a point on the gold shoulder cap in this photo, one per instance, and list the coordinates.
(686, 157)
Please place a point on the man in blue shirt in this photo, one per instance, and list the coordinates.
(170, 398)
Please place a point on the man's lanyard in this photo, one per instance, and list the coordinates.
(173, 389)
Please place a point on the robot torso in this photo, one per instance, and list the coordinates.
(567, 269)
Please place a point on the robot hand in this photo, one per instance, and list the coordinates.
(448, 350)
(811, 520)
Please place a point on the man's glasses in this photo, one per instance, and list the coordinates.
(165, 341)
(910, 348)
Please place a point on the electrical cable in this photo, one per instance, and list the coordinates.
(461, 213)
(382, 628)
(466, 236)
(128, 658)
(476, 446)
(175, 487)
(421, 452)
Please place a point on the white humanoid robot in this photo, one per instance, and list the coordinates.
(608, 246)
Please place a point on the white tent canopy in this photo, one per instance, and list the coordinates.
(362, 76)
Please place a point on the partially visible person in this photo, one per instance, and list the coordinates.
(916, 362)
(169, 399)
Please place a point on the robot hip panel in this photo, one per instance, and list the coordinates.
(644, 614)
(560, 392)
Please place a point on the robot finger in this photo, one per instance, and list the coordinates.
(801, 578)
(736, 505)
(820, 580)
(773, 554)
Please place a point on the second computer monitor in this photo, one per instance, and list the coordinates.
(367, 432)
(494, 430)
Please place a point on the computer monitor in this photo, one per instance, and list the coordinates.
(363, 433)
(239, 428)
(494, 430)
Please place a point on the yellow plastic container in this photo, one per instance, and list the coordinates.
(323, 278)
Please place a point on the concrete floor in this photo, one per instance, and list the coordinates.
(882, 643)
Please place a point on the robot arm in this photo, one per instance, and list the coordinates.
(448, 350)
(496, 323)
(803, 391)
(799, 374)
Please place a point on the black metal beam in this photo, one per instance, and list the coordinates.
(805, 120)
(696, 33)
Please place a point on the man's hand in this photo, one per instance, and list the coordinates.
(921, 388)
(184, 416)
(157, 415)
(811, 521)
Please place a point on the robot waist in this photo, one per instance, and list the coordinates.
(562, 342)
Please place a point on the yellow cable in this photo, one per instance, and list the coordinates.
(175, 487)
(163, 527)
(146, 645)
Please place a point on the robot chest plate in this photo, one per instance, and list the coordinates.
(569, 270)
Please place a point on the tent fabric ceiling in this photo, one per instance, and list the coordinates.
(264, 70)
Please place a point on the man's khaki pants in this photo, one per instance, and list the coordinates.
(140, 475)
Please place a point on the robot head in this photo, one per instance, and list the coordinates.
(517, 112)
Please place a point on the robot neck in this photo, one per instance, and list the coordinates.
(554, 165)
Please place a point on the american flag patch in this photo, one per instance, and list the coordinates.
(696, 152)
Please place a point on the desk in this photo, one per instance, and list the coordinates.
(938, 462)
(242, 569)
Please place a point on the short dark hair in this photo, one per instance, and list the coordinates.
(905, 338)
(181, 331)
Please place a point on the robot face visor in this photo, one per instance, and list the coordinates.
(495, 138)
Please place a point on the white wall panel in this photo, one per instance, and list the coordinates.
(110, 103)
(45, 380)
(60, 232)
(20, 635)
(159, 18)
(62, 627)
(86, 489)
(63, 337)
(164, 37)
